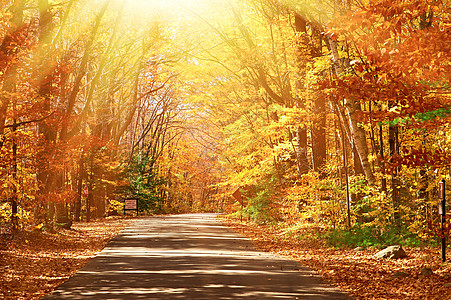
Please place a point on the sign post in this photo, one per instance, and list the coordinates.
(442, 212)
(131, 204)
(238, 195)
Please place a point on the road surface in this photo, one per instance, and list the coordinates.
(190, 257)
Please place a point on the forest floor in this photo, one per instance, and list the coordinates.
(34, 263)
(357, 272)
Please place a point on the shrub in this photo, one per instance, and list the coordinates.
(367, 236)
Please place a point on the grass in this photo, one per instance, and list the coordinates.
(366, 236)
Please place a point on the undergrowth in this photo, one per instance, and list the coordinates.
(367, 236)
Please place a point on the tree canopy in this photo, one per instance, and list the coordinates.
(330, 112)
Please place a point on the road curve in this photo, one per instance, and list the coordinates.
(190, 257)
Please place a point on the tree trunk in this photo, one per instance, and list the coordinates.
(319, 143)
(9, 49)
(394, 150)
(359, 137)
(301, 131)
(301, 151)
(9, 89)
(14, 204)
(357, 132)
(77, 208)
(45, 175)
(90, 198)
(61, 213)
(358, 169)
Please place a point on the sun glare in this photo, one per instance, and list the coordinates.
(168, 7)
(180, 13)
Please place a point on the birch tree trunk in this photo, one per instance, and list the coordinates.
(357, 131)
(359, 137)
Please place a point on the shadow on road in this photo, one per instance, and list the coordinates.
(189, 257)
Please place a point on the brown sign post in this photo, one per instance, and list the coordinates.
(241, 195)
(131, 204)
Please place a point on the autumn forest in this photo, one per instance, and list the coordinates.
(332, 111)
(333, 115)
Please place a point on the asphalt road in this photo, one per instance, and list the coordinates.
(190, 257)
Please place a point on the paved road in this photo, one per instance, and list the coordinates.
(189, 257)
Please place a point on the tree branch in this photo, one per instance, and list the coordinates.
(29, 121)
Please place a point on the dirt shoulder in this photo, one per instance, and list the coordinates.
(358, 272)
(34, 263)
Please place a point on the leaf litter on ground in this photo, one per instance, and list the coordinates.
(34, 263)
(357, 272)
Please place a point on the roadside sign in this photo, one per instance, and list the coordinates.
(131, 204)
(85, 190)
(242, 197)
